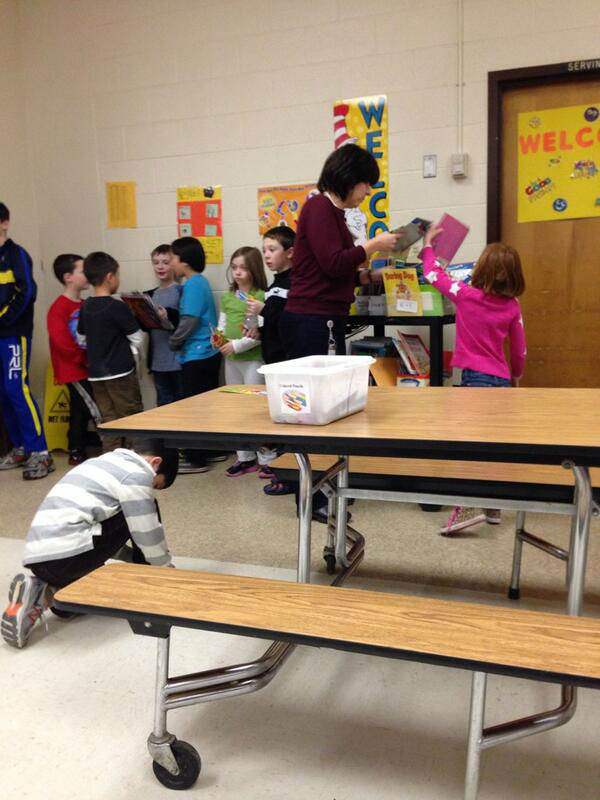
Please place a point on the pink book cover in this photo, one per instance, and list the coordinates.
(447, 243)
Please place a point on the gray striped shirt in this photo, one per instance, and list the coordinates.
(72, 513)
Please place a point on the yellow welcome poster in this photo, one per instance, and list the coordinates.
(558, 163)
(364, 121)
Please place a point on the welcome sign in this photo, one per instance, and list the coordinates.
(558, 163)
(363, 120)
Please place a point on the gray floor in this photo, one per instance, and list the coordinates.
(77, 702)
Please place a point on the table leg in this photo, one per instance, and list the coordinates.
(341, 512)
(474, 747)
(304, 517)
(579, 539)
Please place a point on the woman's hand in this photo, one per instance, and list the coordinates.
(430, 234)
(254, 306)
(227, 349)
(385, 241)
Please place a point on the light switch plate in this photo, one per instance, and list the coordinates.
(429, 166)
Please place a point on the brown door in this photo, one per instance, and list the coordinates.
(561, 258)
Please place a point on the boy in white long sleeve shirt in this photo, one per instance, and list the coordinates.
(113, 338)
(90, 515)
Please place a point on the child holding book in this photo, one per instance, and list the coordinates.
(487, 313)
(242, 353)
(69, 358)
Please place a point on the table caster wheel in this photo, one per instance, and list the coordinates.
(188, 761)
(330, 563)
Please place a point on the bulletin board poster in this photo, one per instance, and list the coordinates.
(281, 205)
(364, 121)
(200, 214)
(121, 208)
(558, 162)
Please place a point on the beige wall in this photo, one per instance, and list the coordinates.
(174, 92)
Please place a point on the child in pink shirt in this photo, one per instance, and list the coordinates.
(487, 312)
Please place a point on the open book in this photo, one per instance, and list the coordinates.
(145, 311)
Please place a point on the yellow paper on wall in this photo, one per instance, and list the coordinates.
(57, 410)
(121, 209)
(559, 163)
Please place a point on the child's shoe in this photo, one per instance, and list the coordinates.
(77, 457)
(16, 458)
(239, 468)
(38, 465)
(26, 603)
(461, 518)
(186, 467)
(493, 516)
(266, 473)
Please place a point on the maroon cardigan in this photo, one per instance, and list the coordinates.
(324, 261)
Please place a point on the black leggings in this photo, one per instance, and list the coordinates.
(64, 571)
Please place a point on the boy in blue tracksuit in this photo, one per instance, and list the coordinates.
(20, 413)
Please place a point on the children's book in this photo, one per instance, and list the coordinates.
(145, 311)
(405, 362)
(417, 354)
(447, 243)
(411, 233)
(402, 292)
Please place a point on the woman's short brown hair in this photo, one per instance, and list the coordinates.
(254, 264)
(498, 271)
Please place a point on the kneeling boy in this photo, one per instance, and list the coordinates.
(87, 518)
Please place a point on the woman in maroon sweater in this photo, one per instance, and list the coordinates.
(325, 260)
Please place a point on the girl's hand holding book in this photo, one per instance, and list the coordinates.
(227, 349)
(430, 234)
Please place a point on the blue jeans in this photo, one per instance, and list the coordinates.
(470, 377)
(169, 386)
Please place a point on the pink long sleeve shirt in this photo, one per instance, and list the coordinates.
(483, 321)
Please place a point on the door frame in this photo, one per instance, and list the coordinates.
(500, 82)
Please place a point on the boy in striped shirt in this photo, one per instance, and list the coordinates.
(88, 517)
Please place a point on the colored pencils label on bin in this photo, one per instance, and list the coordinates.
(295, 397)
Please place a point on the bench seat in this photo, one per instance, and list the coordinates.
(542, 646)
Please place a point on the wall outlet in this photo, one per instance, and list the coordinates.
(429, 166)
(459, 165)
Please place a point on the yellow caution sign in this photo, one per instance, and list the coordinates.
(57, 413)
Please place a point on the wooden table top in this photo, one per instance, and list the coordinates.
(529, 425)
(551, 647)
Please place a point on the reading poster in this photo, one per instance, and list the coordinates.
(199, 214)
(558, 162)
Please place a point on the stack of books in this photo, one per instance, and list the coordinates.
(413, 361)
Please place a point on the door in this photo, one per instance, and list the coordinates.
(561, 258)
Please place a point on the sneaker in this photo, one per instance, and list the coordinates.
(493, 516)
(38, 465)
(186, 467)
(239, 468)
(461, 518)
(77, 457)
(26, 604)
(266, 473)
(16, 458)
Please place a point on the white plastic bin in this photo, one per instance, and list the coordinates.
(316, 390)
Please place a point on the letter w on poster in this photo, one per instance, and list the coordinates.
(363, 120)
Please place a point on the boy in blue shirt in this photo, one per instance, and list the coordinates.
(200, 362)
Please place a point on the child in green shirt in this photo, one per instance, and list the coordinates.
(242, 353)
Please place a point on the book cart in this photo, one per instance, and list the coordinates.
(436, 335)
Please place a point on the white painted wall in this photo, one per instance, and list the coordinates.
(175, 92)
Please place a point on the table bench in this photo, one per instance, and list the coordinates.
(539, 646)
(519, 487)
